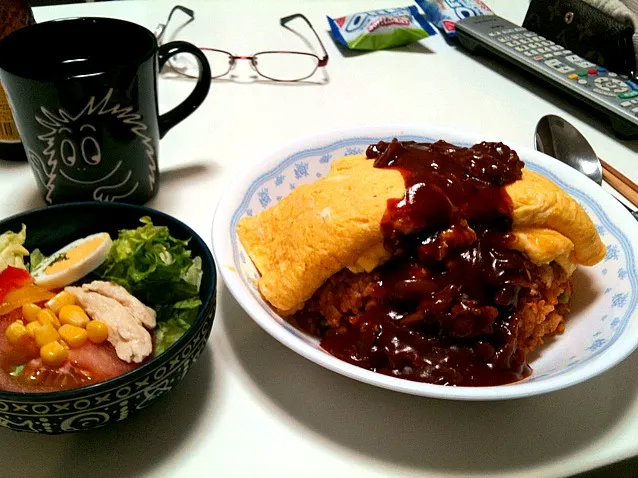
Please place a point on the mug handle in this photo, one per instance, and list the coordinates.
(197, 96)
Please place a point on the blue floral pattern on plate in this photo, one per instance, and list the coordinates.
(619, 296)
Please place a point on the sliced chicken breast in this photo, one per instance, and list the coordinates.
(143, 314)
(132, 342)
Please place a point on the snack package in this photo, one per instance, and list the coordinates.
(445, 13)
(378, 29)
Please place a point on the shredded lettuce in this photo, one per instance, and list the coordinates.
(12, 250)
(35, 259)
(17, 371)
(167, 333)
(158, 269)
(173, 321)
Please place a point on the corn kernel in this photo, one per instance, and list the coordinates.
(54, 354)
(30, 312)
(74, 336)
(64, 344)
(74, 315)
(60, 300)
(31, 327)
(97, 331)
(46, 334)
(46, 316)
(15, 332)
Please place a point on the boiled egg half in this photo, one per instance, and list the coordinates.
(73, 261)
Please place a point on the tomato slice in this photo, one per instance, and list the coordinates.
(37, 374)
(86, 365)
(13, 278)
(100, 361)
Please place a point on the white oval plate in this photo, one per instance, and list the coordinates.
(601, 331)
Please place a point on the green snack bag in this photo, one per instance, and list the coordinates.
(378, 29)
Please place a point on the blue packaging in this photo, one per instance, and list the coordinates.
(445, 13)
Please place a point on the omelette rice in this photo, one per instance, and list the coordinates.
(356, 258)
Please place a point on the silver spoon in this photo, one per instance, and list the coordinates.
(560, 139)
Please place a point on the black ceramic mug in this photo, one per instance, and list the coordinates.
(83, 92)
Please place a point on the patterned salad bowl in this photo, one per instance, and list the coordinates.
(116, 399)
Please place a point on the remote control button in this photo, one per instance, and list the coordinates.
(547, 56)
(559, 66)
(573, 76)
(602, 70)
(504, 39)
(611, 84)
(527, 53)
(612, 74)
(492, 34)
(629, 94)
(519, 49)
(538, 57)
(556, 47)
(604, 92)
(582, 73)
(633, 85)
(593, 71)
(634, 110)
(625, 104)
(578, 61)
(582, 82)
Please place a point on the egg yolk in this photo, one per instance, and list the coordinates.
(75, 255)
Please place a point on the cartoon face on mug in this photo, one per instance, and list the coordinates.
(75, 151)
(87, 152)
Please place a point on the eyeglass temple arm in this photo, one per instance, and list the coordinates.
(283, 21)
(181, 8)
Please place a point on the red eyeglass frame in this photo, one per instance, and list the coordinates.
(321, 62)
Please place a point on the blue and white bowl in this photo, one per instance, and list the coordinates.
(601, 331)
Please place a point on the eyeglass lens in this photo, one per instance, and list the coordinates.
(280, 66)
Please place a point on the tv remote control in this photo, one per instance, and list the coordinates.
(610, 93)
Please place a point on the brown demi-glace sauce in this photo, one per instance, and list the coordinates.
(444, 307)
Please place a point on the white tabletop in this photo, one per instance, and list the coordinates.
(251, 407)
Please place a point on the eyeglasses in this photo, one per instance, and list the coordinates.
(273, 65)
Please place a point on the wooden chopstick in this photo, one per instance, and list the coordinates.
(621, 183)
